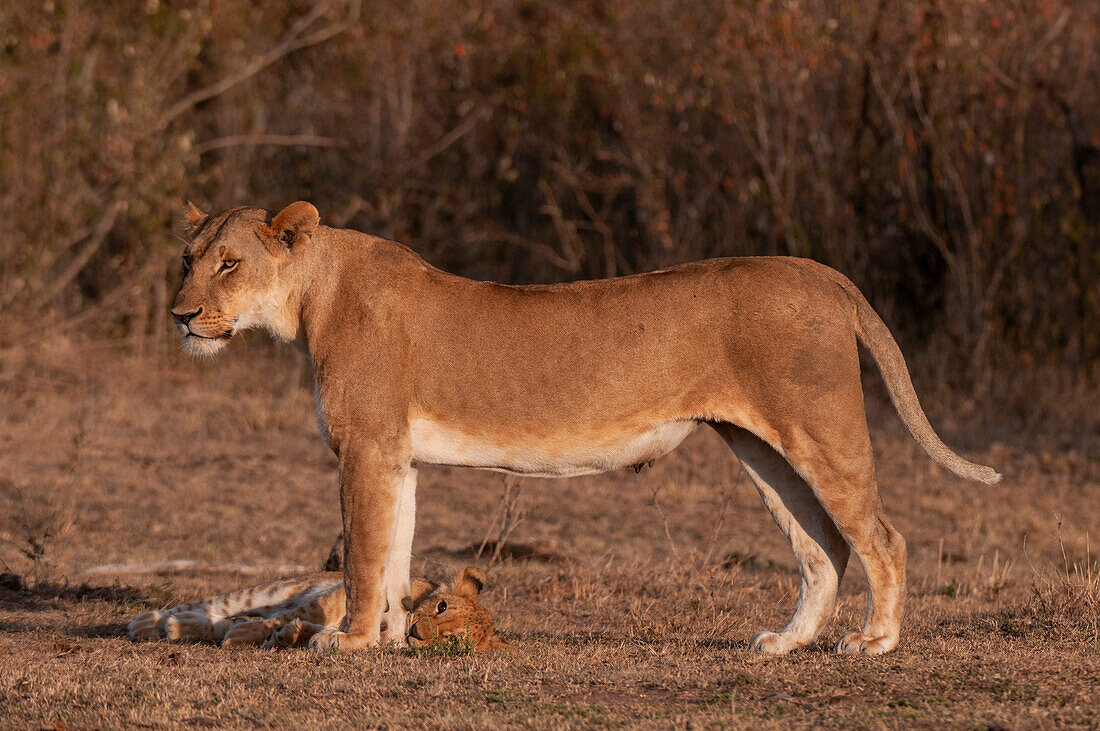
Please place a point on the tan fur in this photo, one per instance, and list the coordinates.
(289, 612)
(416, 365)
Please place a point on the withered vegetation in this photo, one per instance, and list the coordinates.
(643, 618)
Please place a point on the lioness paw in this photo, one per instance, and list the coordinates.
(327, 641)
(393, 629)
(331, 640)
(858, 643)
(772, 643)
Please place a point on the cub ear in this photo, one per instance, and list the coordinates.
(193, 217)
(470, 582)
(419, 590)
(294, 223)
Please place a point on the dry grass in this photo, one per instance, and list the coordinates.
(667, 572)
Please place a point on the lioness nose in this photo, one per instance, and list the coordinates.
(185, 317)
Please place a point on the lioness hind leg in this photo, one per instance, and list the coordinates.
(821, 551)
(841, 471)
(886, 597)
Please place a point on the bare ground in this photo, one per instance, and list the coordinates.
(665, 575)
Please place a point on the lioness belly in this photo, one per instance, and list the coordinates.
(562, 455)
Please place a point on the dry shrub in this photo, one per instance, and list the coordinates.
(1068, 596)
(944, 155)
(39, 526)
(511, 513)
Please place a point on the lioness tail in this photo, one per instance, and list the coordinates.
(874, 334)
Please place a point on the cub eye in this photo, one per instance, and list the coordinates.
(228, 265)
(441, 607)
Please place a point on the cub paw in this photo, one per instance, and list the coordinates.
(147, 626)
(252, 632)
(173, 629)
(858, 643)
(286, 636)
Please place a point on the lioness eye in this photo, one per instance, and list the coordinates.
(441, 607)
(228, 264)
(186, 265)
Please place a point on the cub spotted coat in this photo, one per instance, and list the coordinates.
(287, 613)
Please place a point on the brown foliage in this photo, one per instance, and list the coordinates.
(943, 155)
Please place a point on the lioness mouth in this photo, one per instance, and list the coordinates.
(223, 336)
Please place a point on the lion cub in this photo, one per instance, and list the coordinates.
(287, 613)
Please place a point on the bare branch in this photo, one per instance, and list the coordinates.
(511, 514)
(727, 497)
(925, 223)
(180, 565)
(460, 130)
(256, 140)
(941, 150)
(544, 250)
(293, 40)
(95, 240)
(598, 222)
(567, 230)
(664, 520)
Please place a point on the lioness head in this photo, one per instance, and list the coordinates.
(235, 271)
(440, 612)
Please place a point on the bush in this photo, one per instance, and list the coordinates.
(943, 155)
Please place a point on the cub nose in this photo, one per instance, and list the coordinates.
(185, 317)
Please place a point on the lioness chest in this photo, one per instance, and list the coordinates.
(559, 455)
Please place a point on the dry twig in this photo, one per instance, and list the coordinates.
(182, 565)
(295, 39)
(511, 514)
(220, 143)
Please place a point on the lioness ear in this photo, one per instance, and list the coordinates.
(470, 582)
(294, 223)
(419, 590)
(192, 217)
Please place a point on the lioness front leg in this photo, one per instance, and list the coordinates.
(397, 565)
(371, 477)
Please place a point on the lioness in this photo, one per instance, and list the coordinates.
(414, 365)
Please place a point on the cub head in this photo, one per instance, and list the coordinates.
(440, 612)
(237, 273)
